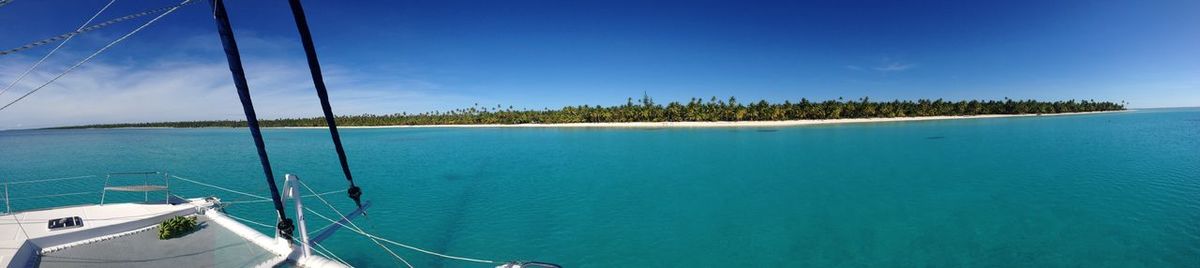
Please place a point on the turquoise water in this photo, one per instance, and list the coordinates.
(1092, 190)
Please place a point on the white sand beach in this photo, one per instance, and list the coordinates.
(784, 123)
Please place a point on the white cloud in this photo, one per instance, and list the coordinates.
(183, 88)
(894, 67)
(886, 65)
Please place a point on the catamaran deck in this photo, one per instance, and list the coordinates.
(210, 246)
(24, 235)
(125, 235)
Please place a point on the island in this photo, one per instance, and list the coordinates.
(696, 112)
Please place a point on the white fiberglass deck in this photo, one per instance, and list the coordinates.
(211, 245)
(124, 235)
(23, 235)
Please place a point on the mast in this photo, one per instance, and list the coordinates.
(314, 67)
(284, 226)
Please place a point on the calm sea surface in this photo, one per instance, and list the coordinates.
(1110, 190)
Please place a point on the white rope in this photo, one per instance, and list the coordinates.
(373, 238)
(400, 244)
(324, 253)
(21, 226)
(60, 45)
(50, 195)
(93, 55)
(89, 28)
(50, 180)
(222, 188)
(359, 231)
(246, 202)
(324, 194)
(322, 229)
(330, 252)
(352, 223)
(249, 221)
(268, 200)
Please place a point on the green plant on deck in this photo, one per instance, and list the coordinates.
(176, 226)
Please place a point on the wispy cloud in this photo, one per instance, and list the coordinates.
(886, 65)
(186, 88)
(895, 67)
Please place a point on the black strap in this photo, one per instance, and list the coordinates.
(319, 82)
(239, 80)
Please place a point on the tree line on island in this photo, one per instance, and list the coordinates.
(695, 110)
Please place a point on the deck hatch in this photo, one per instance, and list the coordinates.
(65, 223)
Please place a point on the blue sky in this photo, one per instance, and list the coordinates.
(416, 56)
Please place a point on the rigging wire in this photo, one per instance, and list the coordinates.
(246, 201)
(94, 54)
(368, 235)
(314, 67)
(356, 228)
(262, 200)
(397, 256)
(269, 200)
(319, 248)
(19, 225)
(285, 226)
(319, 230)
(52, 51)
(50, 195)
(222, 188)
(93, 28)
(50, 180)
(330, 252)
(250, 221)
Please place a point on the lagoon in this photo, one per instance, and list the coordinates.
(1114, 189)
